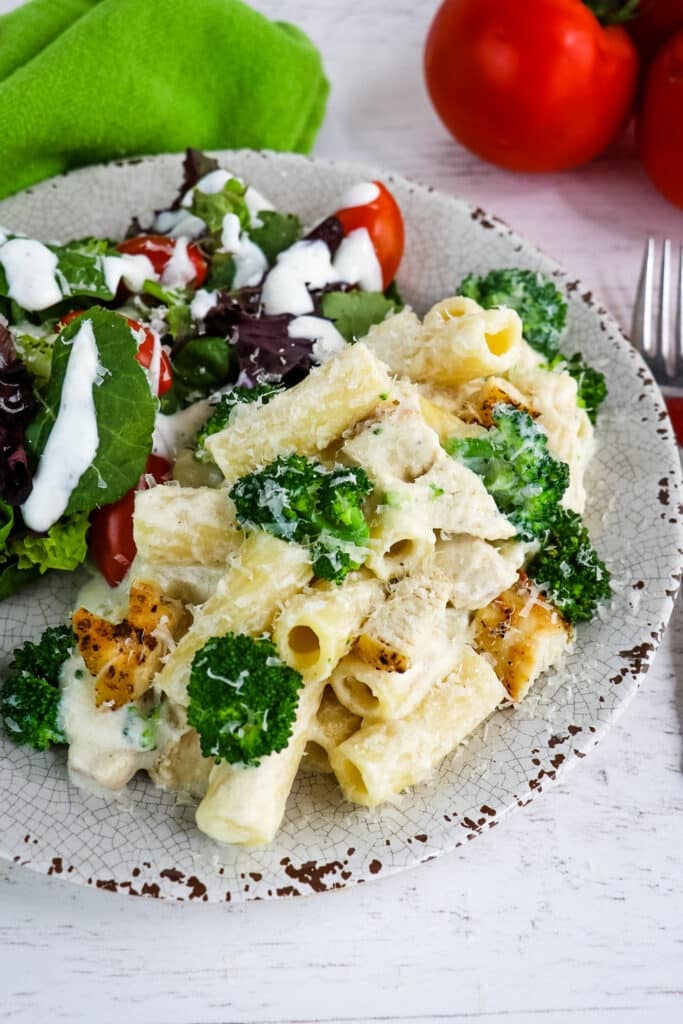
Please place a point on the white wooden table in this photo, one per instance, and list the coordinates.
(570, 912)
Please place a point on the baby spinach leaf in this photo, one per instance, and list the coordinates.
(354, 313)
(6, 523)
(124, 408)
(13, 579)
(202, 366)
(276, 233)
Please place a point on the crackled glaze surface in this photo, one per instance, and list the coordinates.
(145, 843)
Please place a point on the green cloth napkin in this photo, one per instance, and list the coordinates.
(82, 81)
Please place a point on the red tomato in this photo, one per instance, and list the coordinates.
(146, 354)
(656, 21)
(384, 223)
(145, 349)
(531, 85)
(110, 537)
(660, 142)
(159, 249)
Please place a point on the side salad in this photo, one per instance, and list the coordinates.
(111, 352)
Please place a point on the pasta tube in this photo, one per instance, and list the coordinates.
(264, 573)
(380, 760)
(305, 419)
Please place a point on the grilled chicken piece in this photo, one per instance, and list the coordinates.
(478, 404)
(125, 656)
(521, 634)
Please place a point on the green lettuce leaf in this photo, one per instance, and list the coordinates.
(124, 407)
(213, 208)
(62, 547)
(276, 233)
(354, 313)
(36, 354)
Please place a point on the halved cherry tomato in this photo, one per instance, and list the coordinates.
(145, 349)
(384, 223)
(159, 250)
(111, 527)
(146, 354)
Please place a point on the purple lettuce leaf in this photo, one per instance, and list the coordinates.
(17, 407)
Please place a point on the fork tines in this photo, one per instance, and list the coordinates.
(656, 338)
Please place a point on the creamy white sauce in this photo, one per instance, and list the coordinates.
(356, 261)
(133, 270)
(73, 441)
(250, 261)
(327, 339)
(178, 222)
(202, 302)
(30, 268)
(177, 431)
(180, 269)
(362, 194)
(210, 184)
(256, 203)
(100, 755)
(304, 265)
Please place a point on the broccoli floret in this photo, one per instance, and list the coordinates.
(218, 420)
(569, 569)
(512, 459)
(590, 383)
(243, 698)
(541, 307)
(298, 499)
(31, 694)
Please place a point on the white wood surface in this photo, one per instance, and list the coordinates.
(569, 912)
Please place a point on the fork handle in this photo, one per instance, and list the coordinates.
(675, 407)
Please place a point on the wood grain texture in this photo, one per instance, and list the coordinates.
(571, 910)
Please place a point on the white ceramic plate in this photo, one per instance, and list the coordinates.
(145, 843)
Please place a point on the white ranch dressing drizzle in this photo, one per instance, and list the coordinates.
(356, 261)
(180, 269)
(215, 181)
(177, 431)
(304, 265)
(362, 194)
(250, 261)
(202, 302)
(30, 268)
(133, 270)
(178, 222)
(327, 341)
(72, 445)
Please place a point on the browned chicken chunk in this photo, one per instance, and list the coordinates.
(125, 656)
(521, 634)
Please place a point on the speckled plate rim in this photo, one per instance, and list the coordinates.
(569, 742)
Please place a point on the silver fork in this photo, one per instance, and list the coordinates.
(659, 338)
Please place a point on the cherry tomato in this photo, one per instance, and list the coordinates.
(110, 537)
(384, 223)
(159, 249)
(656, 21)
(145, 352)
(531, 85)
(660, 142)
